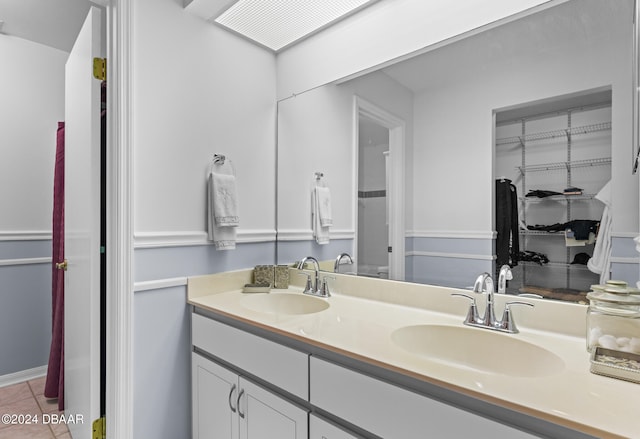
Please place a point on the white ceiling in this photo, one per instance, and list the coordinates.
(566, 25)
(55, 23)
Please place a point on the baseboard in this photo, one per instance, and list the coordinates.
(23, 375)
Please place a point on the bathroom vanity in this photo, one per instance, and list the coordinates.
(390, 359)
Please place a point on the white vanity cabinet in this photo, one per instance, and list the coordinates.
(247, 386)
(390, 411)
(229, 406)
(215, 400)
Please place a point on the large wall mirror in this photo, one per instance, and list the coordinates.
(411, 152)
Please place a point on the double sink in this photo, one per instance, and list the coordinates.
(457, 346)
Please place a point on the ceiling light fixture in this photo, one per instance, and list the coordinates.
(277, 24)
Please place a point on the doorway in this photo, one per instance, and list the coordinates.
(379, 212)
(373, 209)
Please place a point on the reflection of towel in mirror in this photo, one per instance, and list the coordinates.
(321, 207)
(600, 261)
(324, 206)
(222, 203)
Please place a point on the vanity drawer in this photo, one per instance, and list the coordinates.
(321, 429)
(393, 412)
(279, 365)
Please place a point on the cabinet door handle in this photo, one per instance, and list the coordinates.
(233, 388)
(238, 403)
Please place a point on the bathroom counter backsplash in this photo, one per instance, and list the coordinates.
(363, 314)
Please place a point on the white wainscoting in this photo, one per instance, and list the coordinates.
(190, 238)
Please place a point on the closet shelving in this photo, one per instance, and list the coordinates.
(565, 165)
(586, 129)
(531, 169)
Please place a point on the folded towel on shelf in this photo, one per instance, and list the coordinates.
(224, 199)
(320, 232)
(222, 216)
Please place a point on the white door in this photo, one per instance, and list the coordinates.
(215, 398)
(82, 229)
(267, 416)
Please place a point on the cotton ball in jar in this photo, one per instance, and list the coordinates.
(608, 341)
(594, 335)
(623, 341)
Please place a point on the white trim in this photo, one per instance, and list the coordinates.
(451, 255)
(624, 234)
(624, 260)
(159, 284)
(191, 238)
(25, 235)
(24, 261)
(396, 167)
(120, 156)
(451, 234)
(307, 234)
(22, 376)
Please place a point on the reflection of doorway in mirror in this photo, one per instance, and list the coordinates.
(373, 216)
(557, 154)
(389, 177)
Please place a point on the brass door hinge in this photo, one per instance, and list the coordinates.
(99, 428)
(100, 68)
(62, 265)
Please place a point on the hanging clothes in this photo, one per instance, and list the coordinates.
(54, 384)
(507, 240)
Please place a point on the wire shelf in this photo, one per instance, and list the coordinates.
(561, 265)
(586, 129)
(559, 233)
(558, 198)
(565, 165)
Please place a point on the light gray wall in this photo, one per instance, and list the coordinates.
(453, 114)
(25, 305)
(198, 90)
(32, 105)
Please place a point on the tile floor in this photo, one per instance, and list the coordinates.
(27, 399)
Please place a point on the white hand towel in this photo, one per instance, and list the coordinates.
(223, 237)
(601, 260)
(323, 195)
(321, 234)
(225, 205)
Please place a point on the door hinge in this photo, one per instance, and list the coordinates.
(62, 265)
(389, 249)
(100, 68)
(99, 428)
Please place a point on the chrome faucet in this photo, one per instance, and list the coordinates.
(488, 320)
(313, 289)
(504, 275)
(339, 259)
(485, 283)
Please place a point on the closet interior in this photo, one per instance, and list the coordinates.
(557, 156)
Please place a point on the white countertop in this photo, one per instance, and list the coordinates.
(361, 327)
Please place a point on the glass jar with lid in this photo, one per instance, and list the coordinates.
(613, 317)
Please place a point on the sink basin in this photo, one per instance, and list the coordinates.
(478, 349)
(284, 303)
